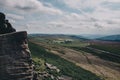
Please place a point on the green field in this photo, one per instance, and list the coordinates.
(74, 44)
(66, 67)
(113, 48)
(50, 41)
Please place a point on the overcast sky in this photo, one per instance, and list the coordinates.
(63, 16)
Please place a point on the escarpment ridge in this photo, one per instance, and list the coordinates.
(15, 58)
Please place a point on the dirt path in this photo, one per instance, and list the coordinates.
(105, 69)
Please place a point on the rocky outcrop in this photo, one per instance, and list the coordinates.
(15, 59)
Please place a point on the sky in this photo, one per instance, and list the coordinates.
(63, 16)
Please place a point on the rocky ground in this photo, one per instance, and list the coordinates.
(48, 72)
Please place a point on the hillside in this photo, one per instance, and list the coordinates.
(78, 52)
(66, 68)
(110, 38)
(92, 36)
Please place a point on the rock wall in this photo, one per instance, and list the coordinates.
(15, 59)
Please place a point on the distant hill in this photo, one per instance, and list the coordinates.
(110, 38)
(78, 37)
(55, 36)
(92, 36)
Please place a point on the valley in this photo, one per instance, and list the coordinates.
(79, 52)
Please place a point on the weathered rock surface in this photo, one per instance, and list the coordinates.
(15, 59)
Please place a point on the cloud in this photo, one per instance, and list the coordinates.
(64, 16)
(112, 5)
(92, 23)
(81, 4)
(15, 17)
(103, 9)
(28, 6)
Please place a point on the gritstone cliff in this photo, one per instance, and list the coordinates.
(15, 59)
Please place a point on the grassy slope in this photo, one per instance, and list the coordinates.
(81, 46)
(109, 48)
(66, 67)
(100, 55)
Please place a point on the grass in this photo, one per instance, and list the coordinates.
(50, 42)
(66, 67)
(99, 54)
(39, 64)
(78, 44)
(82, 46)
(113, 48)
